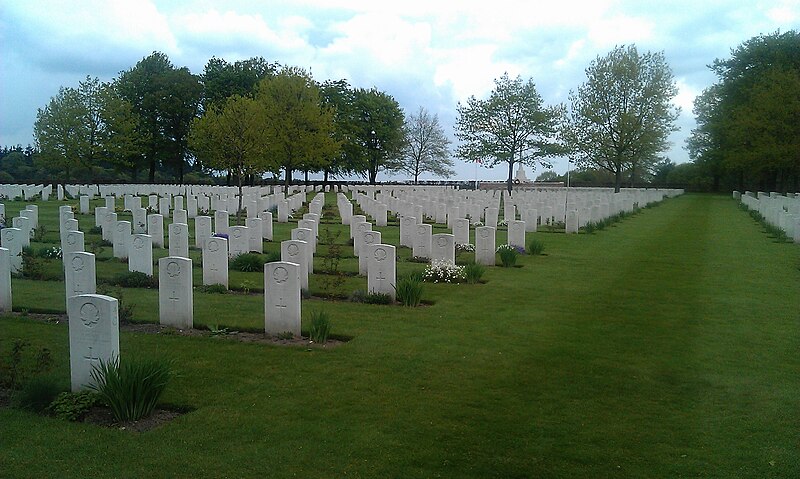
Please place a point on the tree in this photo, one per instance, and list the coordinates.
(511, 126)
(426, 146)
(81, 127)
(340, 98)
(299, 129)
(166, 99)
(548, 175)
(232, 137)
(222, 79)
(377, 131)
(620, 119)
(747, 122)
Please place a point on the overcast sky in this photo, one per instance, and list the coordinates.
(424, 53)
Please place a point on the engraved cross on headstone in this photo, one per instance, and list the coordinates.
(174, 298)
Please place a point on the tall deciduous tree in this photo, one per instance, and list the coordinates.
(222, 79)
(378, 131)
(426, 147)
(340, 97)
(621, 117)
(83, 126)
(232, 137)
(166, 99)
(511, 126)
(299, 128)
(747, 122)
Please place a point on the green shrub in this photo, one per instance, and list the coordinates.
(378, 298)
(36, 394)
(473, 273)
(358, 296)
(508, 255)
(131, 388)
(589, 228)
(362, 296)
(320, 327)
(535, 246)
(32, 267)
(248, 263)
(409, 291)
(135, 279)
(96, 230)
(72, 406)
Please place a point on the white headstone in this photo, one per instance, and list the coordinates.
(238, 240)
(202, 230)
(305, 234)
(5, 280)
(93, 335)
(175, 298)
(215, 261)
(408, 226)
(283, 211)
(296, 251)
(180, 216)
(360, 228)
(485, 245)
(443, 248)
(256, 236)
(13, 240)
(80, 275)
(221, 224)
(140, 254)
(354, 220)
(122, 238)
(266, 224)
(381, 267)
(84, 200)
(179, 240)
(163, 207)
(516, 233)
(369, 238)
(572, 221)
(422, 241)
(282, 298)
(155, 228)
(461, 230)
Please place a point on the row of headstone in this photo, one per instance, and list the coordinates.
(781, 211)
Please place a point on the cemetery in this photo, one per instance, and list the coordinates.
(372, 328)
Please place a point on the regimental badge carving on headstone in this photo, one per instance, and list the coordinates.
(90, 315)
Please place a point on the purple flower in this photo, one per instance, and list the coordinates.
(220, 235)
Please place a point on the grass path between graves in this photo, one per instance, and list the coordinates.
(664, 346)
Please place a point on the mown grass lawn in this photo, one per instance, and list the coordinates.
(664, 346)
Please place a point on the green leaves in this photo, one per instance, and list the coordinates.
(512, 125)
(621, 117)
(747, 121)
(131, 388)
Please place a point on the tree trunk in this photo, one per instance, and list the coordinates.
(305, 177)
(373, 174)
(617, 178)
(152, 176)
(510, 180)
(287, 181)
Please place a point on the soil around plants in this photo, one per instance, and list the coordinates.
(102, 416)
(222, 334)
